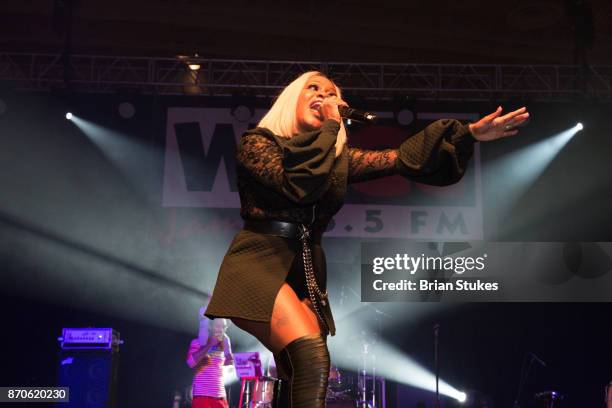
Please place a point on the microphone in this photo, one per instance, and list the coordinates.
(357, 115)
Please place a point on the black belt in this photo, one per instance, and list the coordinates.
(280, 229)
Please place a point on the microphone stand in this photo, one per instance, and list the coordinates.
(376, 336)
(436, 363)
(524, 375)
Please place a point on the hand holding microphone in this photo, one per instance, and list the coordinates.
(330, 108)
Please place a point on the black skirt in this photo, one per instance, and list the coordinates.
(253, 271)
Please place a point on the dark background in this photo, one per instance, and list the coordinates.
(438, 31)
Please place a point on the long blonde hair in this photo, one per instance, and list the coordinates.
(281, 119)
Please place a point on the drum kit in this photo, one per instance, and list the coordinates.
(341, 393)
(259, 392)
(340, 390)
(346, 389)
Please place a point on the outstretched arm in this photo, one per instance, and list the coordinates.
(439, 154)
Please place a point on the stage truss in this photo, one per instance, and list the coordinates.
(172, 76)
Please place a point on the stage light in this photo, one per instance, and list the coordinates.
(348, 122)
(192, 62)
(404, 109)
(69, 115)
(126, 110)
(242, 107)
(579, 126)
(462, 397)
(404, 117)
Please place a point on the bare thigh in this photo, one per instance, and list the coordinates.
(291, 319)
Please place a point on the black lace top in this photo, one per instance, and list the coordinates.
(299, 179)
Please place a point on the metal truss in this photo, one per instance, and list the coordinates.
(172, 76)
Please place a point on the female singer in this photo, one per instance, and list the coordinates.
(293, 171)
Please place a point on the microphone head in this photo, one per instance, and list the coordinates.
(357, 115)
(371, 117)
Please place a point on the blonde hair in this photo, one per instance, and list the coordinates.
(281, 119)
(213, 322)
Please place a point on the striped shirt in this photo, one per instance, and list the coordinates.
(208, 373)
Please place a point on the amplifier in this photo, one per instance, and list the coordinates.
(91, 375)
(89, 339)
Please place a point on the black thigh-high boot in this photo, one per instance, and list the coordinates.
(303, 367)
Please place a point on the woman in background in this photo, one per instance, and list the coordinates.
(293, 172)
(206, 356)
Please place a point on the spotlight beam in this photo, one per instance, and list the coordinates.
(389, 361)
(124, 153)
(105, 257)
(523, 167)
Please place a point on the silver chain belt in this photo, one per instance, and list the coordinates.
(314, 292)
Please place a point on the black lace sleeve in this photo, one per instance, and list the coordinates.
(438, 155)
(297, 167)
(370, 164)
